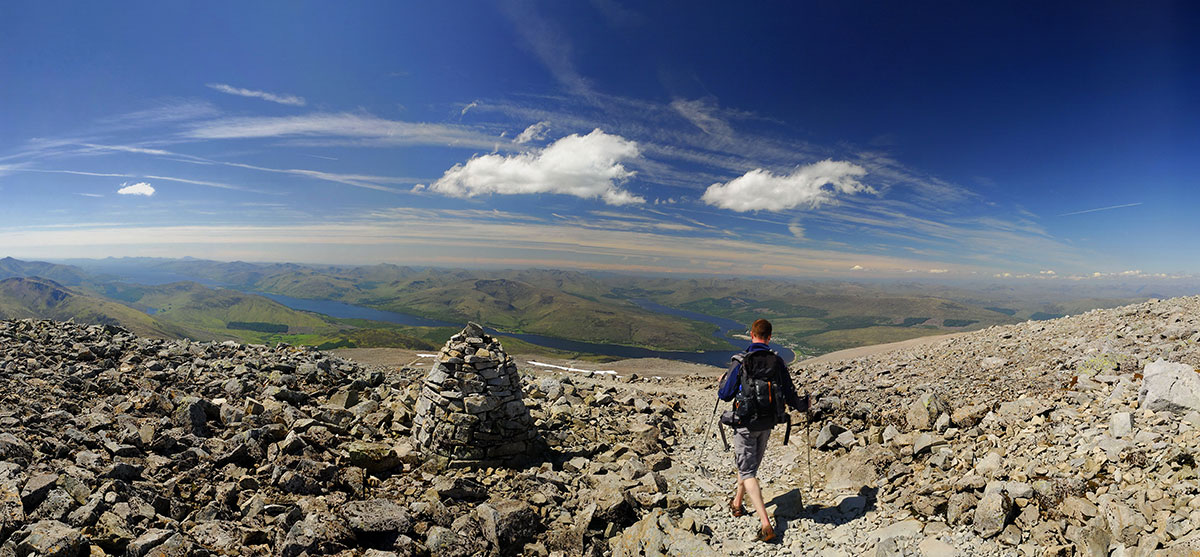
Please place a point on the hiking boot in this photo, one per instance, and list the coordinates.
(766, 534)
(738, 510)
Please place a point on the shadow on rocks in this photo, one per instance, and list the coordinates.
(791, 508)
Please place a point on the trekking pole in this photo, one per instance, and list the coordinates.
(807, 439)
(704, 446)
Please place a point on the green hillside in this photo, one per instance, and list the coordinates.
(521, 307)
(207, 312)
(39, 298)
(811, 316)
(561, 304)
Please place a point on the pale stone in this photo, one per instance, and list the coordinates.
(1169, 386)
(1120, 424)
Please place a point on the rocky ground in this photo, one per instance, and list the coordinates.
(1075, 436)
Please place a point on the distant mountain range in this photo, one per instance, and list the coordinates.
(214, 300)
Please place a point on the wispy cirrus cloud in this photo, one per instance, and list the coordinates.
(450, 237)
(588, 166)
(78, 172)
(367, 130)
(1085, 211)
(206, 183)
(366, 181)
(702, 114)
(127, 149)
(549, 43)
(290, 100)
(167, 111)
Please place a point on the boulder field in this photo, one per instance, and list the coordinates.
(1075, 436)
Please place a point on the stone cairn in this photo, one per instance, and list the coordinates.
(470, 408)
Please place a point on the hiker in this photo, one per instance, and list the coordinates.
(758, 384)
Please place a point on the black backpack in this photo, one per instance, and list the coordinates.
(759, 404)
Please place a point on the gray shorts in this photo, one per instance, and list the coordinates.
(748, 450)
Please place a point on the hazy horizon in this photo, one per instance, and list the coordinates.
(1124, 285)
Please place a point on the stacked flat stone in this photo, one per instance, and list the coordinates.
(471, 408)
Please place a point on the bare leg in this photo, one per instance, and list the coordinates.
(741, 491)
(752, 488)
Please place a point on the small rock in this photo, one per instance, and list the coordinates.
(1120, 424)
(376, 515)
(828, 435)
(989, 466)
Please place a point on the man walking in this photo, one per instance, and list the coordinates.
(758, 384)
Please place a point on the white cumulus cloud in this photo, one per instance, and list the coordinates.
(534, 132)
(290, 100)
(140, 188)
(761, 190)
(587, 166)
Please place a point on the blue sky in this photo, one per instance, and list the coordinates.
(935, 140)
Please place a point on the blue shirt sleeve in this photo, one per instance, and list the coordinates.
(732, 382)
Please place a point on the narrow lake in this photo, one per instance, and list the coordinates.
(719, 358)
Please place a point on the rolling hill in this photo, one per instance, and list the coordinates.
(219, 313)
(39, 298)
(519, 306)
(809, 315)
(561, 304)
(62, 274)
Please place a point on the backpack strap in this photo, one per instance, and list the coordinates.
(735, 361)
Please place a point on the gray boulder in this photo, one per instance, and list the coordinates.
(851, 472)
(318, 533)
(927, 442)
(51, 538)
(516, 524)
(149, 539)
(828, 435)
(1124, 523)
(969, 416)
(657, 534)
(992, 513)
(924, 411)
(1169, 386)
